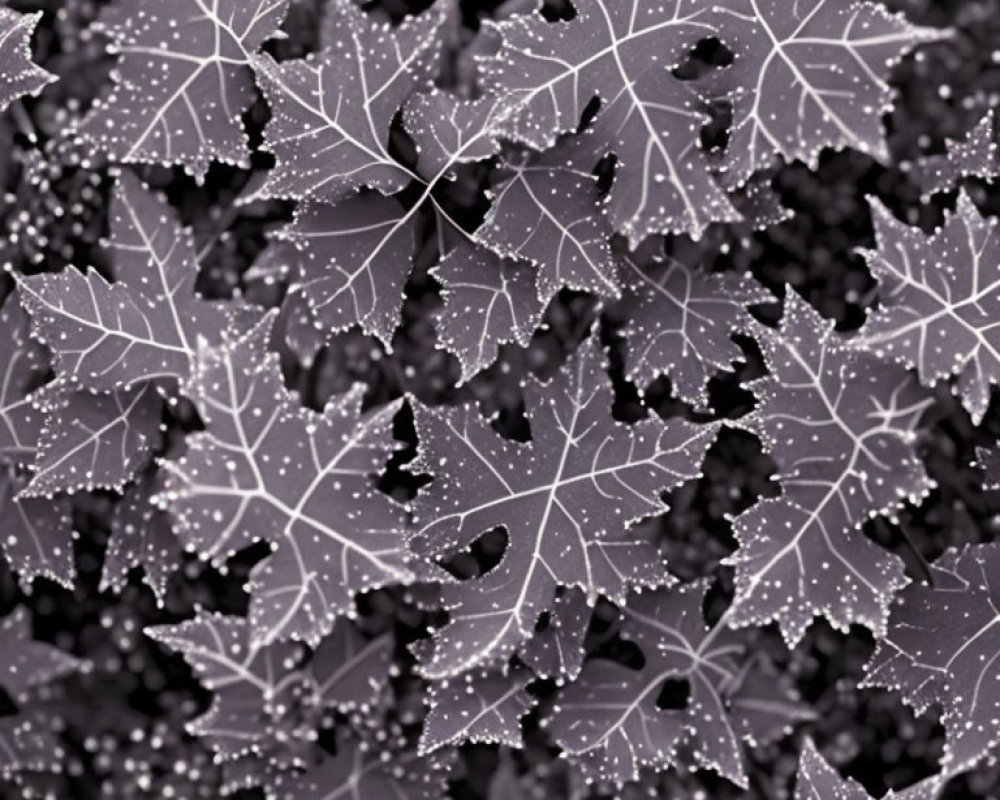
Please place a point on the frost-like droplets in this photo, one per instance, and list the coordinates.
(331, 112)
(488, 301)
(840, 425)
(942, 648)
(269, 701)
(622, 52)
(142, 326)
(566, 500)
(817, 780)
(24, 365)
(37, 532)
(96, 440)
(976, 155)
(183, 80)
(681, 319)
(939, 300)
(354, 258)
(610, 720)
(806, 75)
(547, 211)
(26, 743)
(18, 74)
(267, 469)
(477, 706)
(141, 536)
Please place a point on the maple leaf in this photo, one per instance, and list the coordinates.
(28, 663)
(973, 156)
(141, 536)
(479, 706)
(349, 670)
(547, 212)
(297, 325)
(96, 440)
(183, 80)
(566, 500)
(249, 683)
(817, 780)
(144, 325)
(331, 112)
(651, 121)
(556, 651)
(27, 746)
(763, 701)
(24, 365)
(19, 75)
(354, 259)
(681, 320)
(38, 532)
(269, 700)
(266, 468)
(841, 424)
(355, 255)
(487, 301)
(361, 771)
(941, 648)
(938, 300)
(448, 130)
(609, 722)
(25, 742)
(807, 77)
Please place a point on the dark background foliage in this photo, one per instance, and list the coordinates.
(122, 722)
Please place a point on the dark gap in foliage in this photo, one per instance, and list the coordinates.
(589, 113)
(714, 134)
(627, 406)
(479, 557)
(181, 413)
(941, 94)
(708, 54)
(543, 622)
(719, 596)
(474, 11)
(396, 480)
(958, 510)
(828, 666)
(902, 748)
(463, 197)
(480, 765)
(696, 533)
(558, 10)
(395, 10)
(621, 651)
(674, 694)
(401, 145)
(604, 171)
(302, 26)
(7, 704)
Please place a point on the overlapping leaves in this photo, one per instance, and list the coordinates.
(267, 469)
(941, 649)
(183, 80)
(840, 423)
(610, 722)
(842, 426)
(565, 500)
(939, 301)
